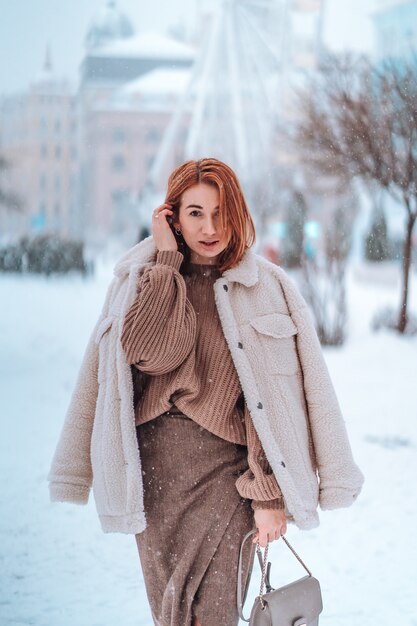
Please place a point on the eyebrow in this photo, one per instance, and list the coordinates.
(197, 206)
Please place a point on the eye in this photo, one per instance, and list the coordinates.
(194, 211)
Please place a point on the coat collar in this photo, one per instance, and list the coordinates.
(246, 272)
(143, 252)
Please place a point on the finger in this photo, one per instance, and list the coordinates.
(163, 212)
(162, 207)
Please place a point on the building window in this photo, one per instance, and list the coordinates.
(73, 152)
(119, 196)
(57, 152)
(44, 151)
(118, 162)
(57, 126)
(42, 182)
(119, 135)
(57, 182)
(57, 209)
(153, 135)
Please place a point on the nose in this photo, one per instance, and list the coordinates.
(209, 228)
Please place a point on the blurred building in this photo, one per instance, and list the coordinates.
(38, 138)
(129, 86)
(80, 156)
(395, 25)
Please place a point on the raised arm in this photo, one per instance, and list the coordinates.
(160, 327)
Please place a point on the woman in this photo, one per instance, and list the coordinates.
(203, 407)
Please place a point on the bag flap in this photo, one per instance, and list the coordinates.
(299, 599)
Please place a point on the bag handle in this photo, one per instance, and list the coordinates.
(265, 574)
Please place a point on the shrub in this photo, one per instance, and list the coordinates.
(44, 254)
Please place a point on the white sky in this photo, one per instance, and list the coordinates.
(26, 27)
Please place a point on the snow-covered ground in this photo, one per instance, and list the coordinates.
(57, 566)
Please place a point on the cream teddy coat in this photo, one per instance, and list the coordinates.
(271, 336)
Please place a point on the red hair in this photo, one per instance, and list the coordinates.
(234, 213)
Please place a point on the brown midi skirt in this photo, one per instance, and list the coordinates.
(196, 521)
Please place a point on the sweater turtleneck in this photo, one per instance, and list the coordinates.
(204, 270)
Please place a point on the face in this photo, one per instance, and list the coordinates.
(199, 222)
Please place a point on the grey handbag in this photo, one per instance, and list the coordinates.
(297, 604)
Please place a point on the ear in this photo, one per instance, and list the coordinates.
(176, 207)
(175, 221)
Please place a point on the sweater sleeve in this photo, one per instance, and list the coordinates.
(159, 329)
(258, 482)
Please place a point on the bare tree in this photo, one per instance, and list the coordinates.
(360, 120)
(324, 279)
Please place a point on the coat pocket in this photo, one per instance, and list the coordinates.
(276, 332)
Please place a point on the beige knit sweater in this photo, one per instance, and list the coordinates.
(173, 333)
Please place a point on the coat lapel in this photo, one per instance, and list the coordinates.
(255, 395)
(246, 272)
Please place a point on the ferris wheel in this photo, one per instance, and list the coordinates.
(233, 97)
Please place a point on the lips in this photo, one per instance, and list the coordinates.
(214, 241)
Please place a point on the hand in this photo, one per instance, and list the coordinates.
(161, 230)
(271, 524)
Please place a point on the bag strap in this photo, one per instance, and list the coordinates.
(262, 563)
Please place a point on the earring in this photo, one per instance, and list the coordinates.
(178, 231)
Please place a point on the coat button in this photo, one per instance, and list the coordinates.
(225, 287)
(260, 405)
(240, 345)
(282, 463)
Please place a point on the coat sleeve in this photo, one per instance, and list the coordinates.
(340, 478)
(70, 474)
(258, 482)
(159, 329)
